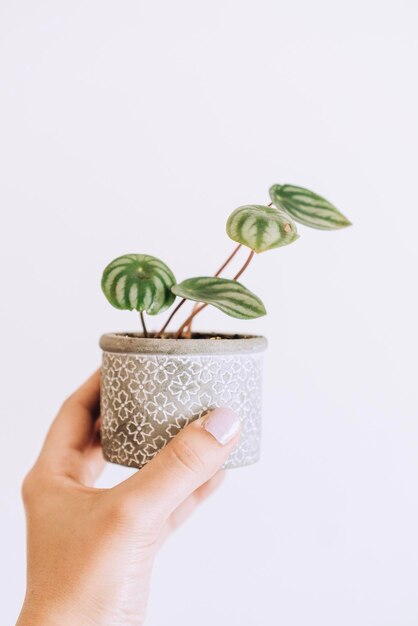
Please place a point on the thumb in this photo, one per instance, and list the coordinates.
(188, 461)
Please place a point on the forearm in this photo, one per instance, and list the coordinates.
(49, 613)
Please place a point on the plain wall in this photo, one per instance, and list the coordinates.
(138, 127)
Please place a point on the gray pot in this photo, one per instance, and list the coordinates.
(151, 388)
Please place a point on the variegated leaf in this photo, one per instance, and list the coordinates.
(138, 281)
(261, 228)
(227, 295)
(307, 207)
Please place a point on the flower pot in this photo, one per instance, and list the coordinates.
(151, 388)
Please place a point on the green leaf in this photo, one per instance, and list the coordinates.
(138, 281)
(261, 227)
(227, 295)
(307, 207)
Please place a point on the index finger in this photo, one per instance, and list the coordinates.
(73, 427)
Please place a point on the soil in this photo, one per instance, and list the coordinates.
(194, 336)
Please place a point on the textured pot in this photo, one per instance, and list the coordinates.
(151, 388)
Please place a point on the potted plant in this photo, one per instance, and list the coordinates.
(154, 383)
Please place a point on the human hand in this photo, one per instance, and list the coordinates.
(91, 551)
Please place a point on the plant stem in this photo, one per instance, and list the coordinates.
(188, 330)
(144, 328)
(200, 308)
(229, 259)
(220, 270)
(180, 304)
(244, 267)
(196, 309)
(189, 319)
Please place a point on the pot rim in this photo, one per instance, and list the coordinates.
(135, 343)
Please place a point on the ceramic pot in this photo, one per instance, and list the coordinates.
(151, 388)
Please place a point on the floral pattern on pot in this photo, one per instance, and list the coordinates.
(147, 399)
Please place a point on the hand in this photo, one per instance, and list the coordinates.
(91, 551)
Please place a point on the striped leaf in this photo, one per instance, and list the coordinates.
(307, 207)
(227, 295)
(138, 281)
(261, 227)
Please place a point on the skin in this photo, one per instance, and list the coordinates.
(90, 551)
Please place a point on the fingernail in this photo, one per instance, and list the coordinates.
(223, 424)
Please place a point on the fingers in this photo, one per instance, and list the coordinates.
(73, 426)
(73, 432)
(186, 463)
(186, 508)
(93, 458)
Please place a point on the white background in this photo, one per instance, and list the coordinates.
(137, 127)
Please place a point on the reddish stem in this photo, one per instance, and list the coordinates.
(244, 267)
(200, 308)
(189, 319)
(221, 269)
(144, 328)
(196, 308)
(180, 304)
(229, 259)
